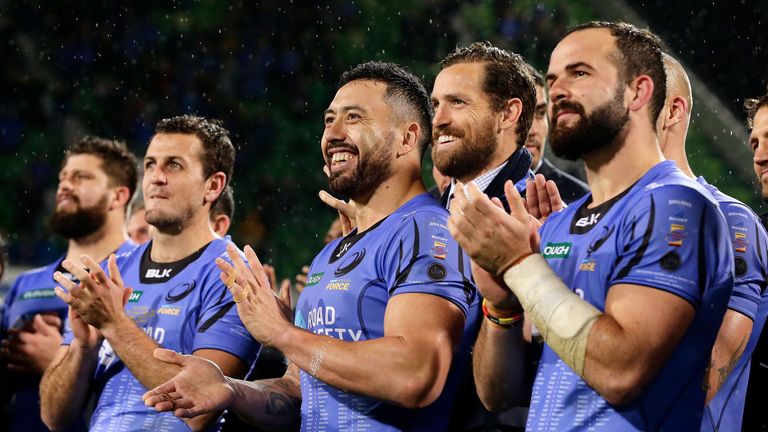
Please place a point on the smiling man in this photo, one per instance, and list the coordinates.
(383, 327)
(97, 180)
(175, 299)
(629, 284)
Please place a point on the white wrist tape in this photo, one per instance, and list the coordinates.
(563, 317)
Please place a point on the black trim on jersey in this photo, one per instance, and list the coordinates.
(347, 242)
(643, 246)
(402, 275)
(702, 263)
(360, 315)
(584, 212)
(217, 316)
(466, 284)
(168, 270)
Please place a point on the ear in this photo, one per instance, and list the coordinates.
(214, 186)
(641, 92)
(510, 114)
(220, 224)
(678, 109)
(121, 197)
(410, 140)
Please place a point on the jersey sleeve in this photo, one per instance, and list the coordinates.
(219, 326)
(5, 308)
(671, 239)
(422, 257)
(748, 239)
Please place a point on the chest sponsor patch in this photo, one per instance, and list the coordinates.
(556, 250)
(135, 296)
(314, 278)
(38, 294)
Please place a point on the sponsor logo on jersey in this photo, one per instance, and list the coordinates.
(437, 272)
(556, 250)
(670, 261)
(38, 294)
(678, 217)
(169, 310)
(439, 250)
(676, 235)
(588, 220)
(135, 296)
(158, 273)
(740, 242)
(343, 269)
(338, 285)
(588, 265)
(314, 279)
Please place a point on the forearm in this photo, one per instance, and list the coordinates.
(271, 404)
(388, 368)
(64, 386)
(729, 346)
(499, 366)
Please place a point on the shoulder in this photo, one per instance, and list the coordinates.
(44, 273)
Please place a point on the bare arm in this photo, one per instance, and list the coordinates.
(729, 346)
(201, 388)
(64, 386)
(408, 366)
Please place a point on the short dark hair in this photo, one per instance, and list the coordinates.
(401, 85)
(225, 204)
(752, 106)
(218, 151)
(118, 163)
(640, 54)
(538, 78)
(506, 77)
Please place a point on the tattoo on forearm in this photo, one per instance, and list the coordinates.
(279, 403)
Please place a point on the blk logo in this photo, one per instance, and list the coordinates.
(158, 273)
(588, 220)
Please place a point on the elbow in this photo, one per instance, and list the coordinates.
(53, 422)
(496, 401)
(621, 389)
(420, 392)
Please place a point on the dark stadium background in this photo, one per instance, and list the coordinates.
(268, 69)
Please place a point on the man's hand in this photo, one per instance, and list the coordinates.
(264, 314)
(301, 279)
(200, 387)
(30, 349)
(542, 198)
(98, 299)
(492, 238)
(347, 211)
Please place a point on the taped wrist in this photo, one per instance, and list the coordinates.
(563, 318)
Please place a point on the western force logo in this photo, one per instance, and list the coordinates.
(556, 250)
(343, 269)
(588, 220)
(158, 273)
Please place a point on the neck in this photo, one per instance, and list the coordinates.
(173, 247)
(400, 188)
(673, 147)
(609, 175)
(101, 243)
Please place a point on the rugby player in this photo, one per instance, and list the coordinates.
(175, 300)
(97, 180)
(629, 284)
(137, 226)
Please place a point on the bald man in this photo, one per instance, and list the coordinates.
(729, 367)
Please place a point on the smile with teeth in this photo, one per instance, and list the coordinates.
(341, 157)
(442, 139)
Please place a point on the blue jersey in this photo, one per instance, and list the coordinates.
(184, 307)
(349, 285)
(32, 294)
(666, 233)
(749, 240)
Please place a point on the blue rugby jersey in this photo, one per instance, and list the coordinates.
(749, 240)
(349, 285)
(184, 307)
(665, 232)
(32, 294)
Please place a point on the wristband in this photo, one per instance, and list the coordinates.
(503, 321)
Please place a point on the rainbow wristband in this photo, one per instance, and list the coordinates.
(506, 322)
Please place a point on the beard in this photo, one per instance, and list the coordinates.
(473, 154)
(597, 131)
(80, 223)
(372, 170)
(171, 224)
